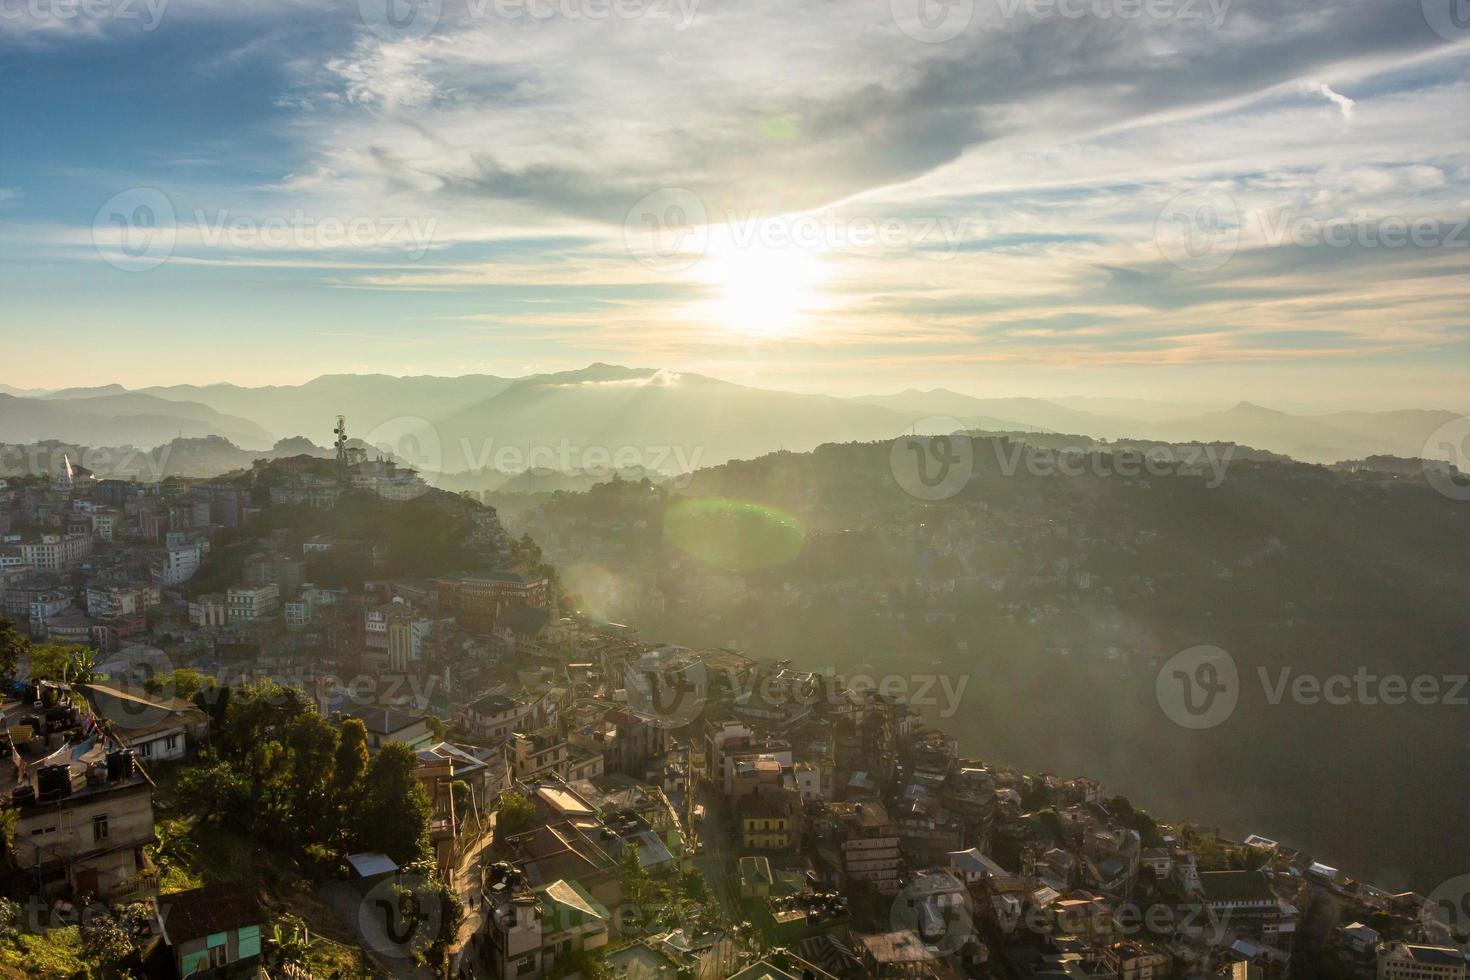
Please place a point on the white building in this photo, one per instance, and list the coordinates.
(177, 564)
(1403, 961)
(55, 552)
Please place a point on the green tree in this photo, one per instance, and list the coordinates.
(53, 662)
(312, 742)
(352, 753)
(393, 815)
(104, 941)
(286, 947)
(514, 815)
(13, 647)
(183, 683)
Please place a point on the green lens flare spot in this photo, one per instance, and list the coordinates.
(734, 535)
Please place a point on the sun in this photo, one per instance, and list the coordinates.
(762, 288)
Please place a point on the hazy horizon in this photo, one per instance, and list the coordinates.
(1187, 398)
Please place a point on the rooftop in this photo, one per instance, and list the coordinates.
(201, 912)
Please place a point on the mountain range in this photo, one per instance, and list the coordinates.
(480, 422)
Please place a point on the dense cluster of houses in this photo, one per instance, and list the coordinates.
(835, 834)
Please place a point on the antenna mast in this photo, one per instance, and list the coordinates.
(341, 433)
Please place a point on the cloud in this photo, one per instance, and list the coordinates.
(1051, 144)
(1342, 102)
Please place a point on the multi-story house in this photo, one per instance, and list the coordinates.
(494, 717)
(406, 640)
(476, 599)
(245, 604)
(531, 933)
(869, 845)
(531, 755)
(82, 826)
(1136, 961)
(177, 563)
(1405, 961)
(208, 611)
(56, 552)
(770, 821)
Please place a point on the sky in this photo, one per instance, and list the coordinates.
(1204, 199)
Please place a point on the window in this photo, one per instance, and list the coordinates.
(171, 743)
(219, 956)
(99, 827)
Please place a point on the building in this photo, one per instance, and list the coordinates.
(115, 601)
(530, 932)
(494, 717)
(158, 729)
(1404, 961)
(385, 725)
(406, 637)
(870, 846)
(1136, 961)
(82, 825)
(208, 611)
(177, 564)
(211, 928)
(770, 821)
(56, 552)
(537, 753)
(1244, 900)
(896, 954)
(245, 604)
(475, 600)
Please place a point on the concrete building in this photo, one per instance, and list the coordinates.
(1405, 961)
(56, 552)
(244, 604)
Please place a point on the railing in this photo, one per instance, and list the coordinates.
(142, 885)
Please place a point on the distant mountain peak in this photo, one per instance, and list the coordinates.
(1251, 408)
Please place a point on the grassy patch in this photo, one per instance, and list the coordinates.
(54, 953)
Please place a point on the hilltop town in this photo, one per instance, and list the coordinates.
(319, 719)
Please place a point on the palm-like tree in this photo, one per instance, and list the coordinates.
(285, 948)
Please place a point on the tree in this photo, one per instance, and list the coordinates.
(52, 662)
(104, 940)
(393, 816)
(183, 683)
(312, 743)
(515, 815)
(13, 647)
(283, 948)
(352, 753)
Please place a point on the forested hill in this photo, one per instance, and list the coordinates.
(1060, 598)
